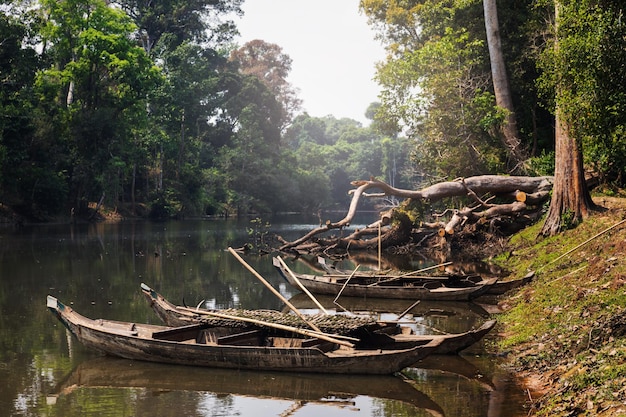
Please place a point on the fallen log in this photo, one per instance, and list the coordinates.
(516, 195)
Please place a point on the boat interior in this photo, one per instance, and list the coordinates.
(203, 333)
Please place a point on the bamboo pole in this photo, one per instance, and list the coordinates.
(318, 334)
(407, 310)
(379, 248)
(345, 284)
(425, 269)
(584, 243)
(302, 287)
(409, 275)
(273, 290)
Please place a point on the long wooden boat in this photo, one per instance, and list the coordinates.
(389, 287)
(372, 335)
(499, 287)
(202, 345)
(299, 389)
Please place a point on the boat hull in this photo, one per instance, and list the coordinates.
(136, 341)
(172, 315)
(406, 290)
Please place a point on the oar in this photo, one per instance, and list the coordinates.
(302, 287)
(273, 290)
(305, 332)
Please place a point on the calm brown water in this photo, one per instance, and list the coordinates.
(98, 269)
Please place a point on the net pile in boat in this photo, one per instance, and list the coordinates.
(339, 324)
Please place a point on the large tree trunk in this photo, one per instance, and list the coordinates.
(501, 87)
(571, 201)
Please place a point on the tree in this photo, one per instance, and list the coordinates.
(99, 79)
(501, 86)
(268, 63)
(571, 201)
(585, 42)
(185, 20)
(436, 85)
(32, 177)
(252, 156)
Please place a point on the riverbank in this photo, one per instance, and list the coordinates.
(565, 333)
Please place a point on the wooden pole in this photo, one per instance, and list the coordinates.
(344, 285)
(409, 275)
(273, 290)
(379, 248)
(584, 243)
(318, 334)
(407, 310)
(302, 287)
(425, 269)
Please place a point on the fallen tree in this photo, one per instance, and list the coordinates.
(492, 201)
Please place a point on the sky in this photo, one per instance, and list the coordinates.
(332, 48)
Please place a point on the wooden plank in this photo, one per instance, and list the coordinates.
(249, 338)
(178, 334)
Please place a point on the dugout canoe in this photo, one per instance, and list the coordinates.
(218, 347)
(396, 287)
(499, 287)
(371, 334)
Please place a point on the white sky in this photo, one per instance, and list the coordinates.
(332, 48)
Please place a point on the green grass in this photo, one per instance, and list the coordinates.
(559, 327)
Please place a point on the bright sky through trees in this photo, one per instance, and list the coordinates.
(332, 48)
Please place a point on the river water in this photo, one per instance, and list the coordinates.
(98, 269)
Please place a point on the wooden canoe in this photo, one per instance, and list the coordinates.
(499, 287)
(201, 345)
(376, 335)
(389, 287)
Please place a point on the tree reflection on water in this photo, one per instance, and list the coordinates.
(98, 269)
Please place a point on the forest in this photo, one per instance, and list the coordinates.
(153, 109)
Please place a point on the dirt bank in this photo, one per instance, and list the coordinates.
(565, 333)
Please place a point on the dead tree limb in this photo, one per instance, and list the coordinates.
(524, 191)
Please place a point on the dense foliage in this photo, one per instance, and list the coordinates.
(436, 81)
(151, 108)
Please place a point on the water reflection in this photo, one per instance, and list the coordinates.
(98, 268)
(293, 391)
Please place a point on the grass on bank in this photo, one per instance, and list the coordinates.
(566, 331)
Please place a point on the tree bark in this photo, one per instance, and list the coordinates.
(571, 201)
(501, 87)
